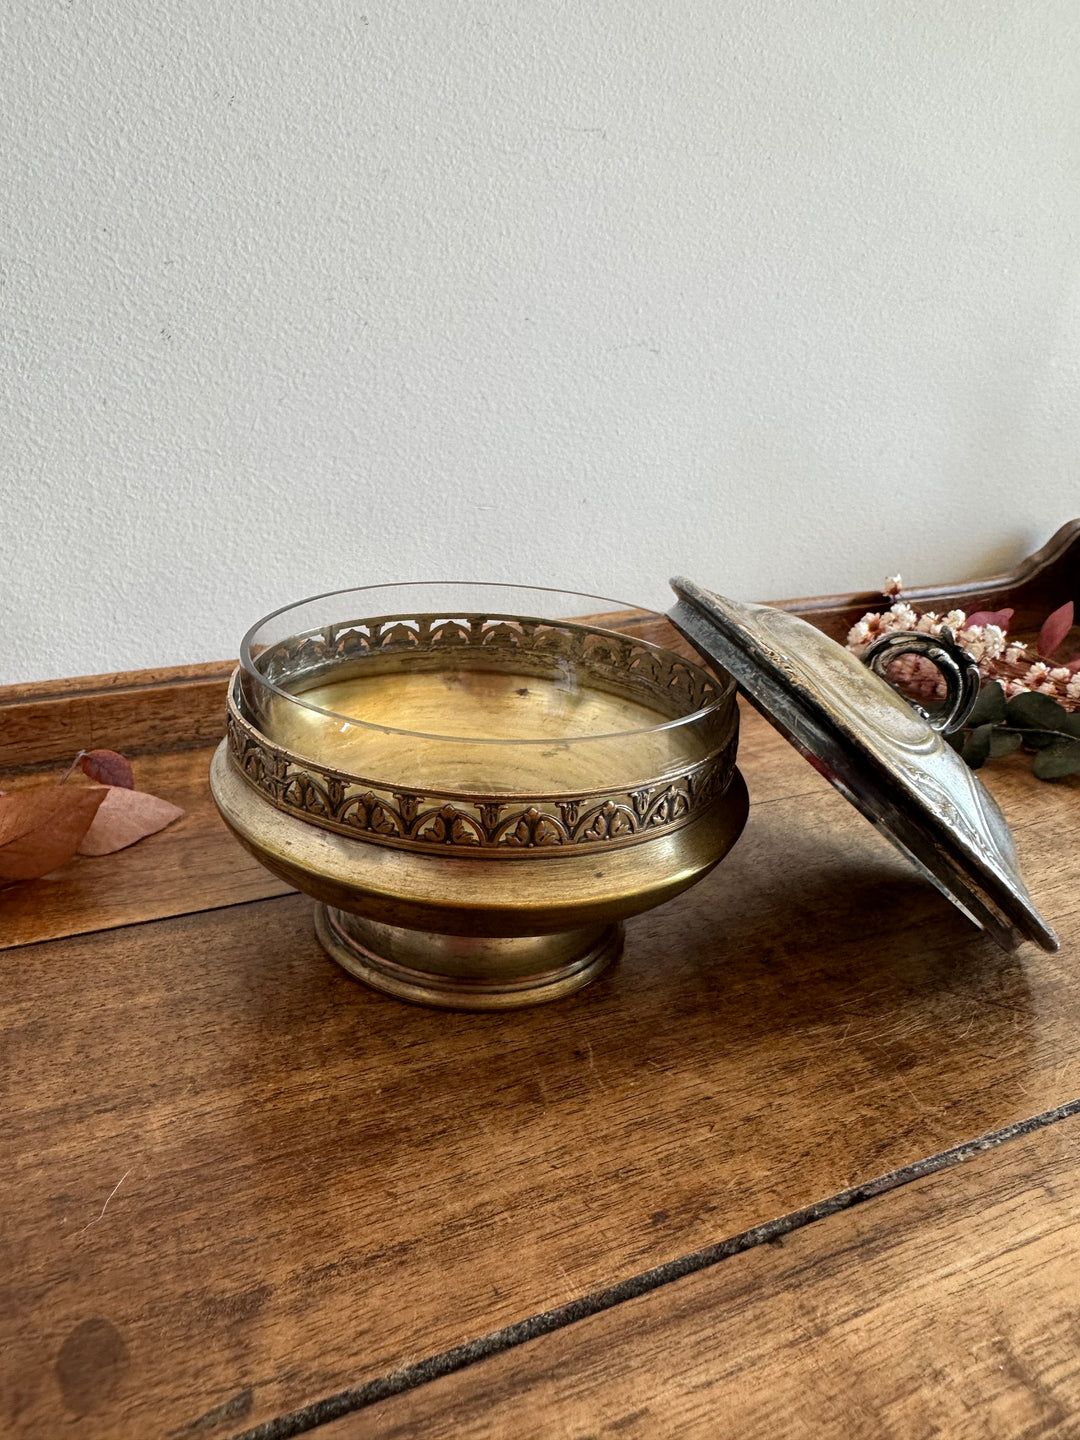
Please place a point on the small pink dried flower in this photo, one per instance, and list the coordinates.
(984, 635)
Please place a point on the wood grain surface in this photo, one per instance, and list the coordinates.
(193, 865)
(238, 1181)
(946, 1308)
(136, 712)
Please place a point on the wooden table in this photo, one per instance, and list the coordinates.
(805, 1163)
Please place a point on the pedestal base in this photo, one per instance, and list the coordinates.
(456, 972)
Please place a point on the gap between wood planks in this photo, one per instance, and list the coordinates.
(460, 1357)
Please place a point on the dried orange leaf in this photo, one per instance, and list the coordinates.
(107, 767)
(40, 828)
(124, 817)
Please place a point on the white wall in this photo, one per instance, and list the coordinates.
(297, 295)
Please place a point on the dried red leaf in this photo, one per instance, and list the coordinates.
(1000, 618)
(1055, 628)
(1074, 665)
(107, 767)
(124, 817)
(41, 827)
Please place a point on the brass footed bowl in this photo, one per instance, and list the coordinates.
(476, 790)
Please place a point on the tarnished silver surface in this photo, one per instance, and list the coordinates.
(960, 672)
(877, 749)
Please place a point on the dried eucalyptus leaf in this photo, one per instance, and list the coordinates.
(1000, 618)
(1039, 739)
(41, 827)
(1055, 628)
(976, 749)
(989, 708)
(124, 817)
(1058, 760)
(1004, 742)
(1034, 711)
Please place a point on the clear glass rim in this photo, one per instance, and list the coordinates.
(248, 665)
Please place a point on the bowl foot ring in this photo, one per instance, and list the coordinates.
(456, 972)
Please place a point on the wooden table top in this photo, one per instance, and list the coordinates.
(806, 1162)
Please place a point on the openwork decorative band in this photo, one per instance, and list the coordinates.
(477, 825)
(634, 667)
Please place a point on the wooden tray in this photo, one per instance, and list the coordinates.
(1038, 585)
(244, 1194)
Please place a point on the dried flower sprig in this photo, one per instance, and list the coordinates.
(1027, 699)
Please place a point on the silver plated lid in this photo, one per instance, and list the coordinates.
(888, 756)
